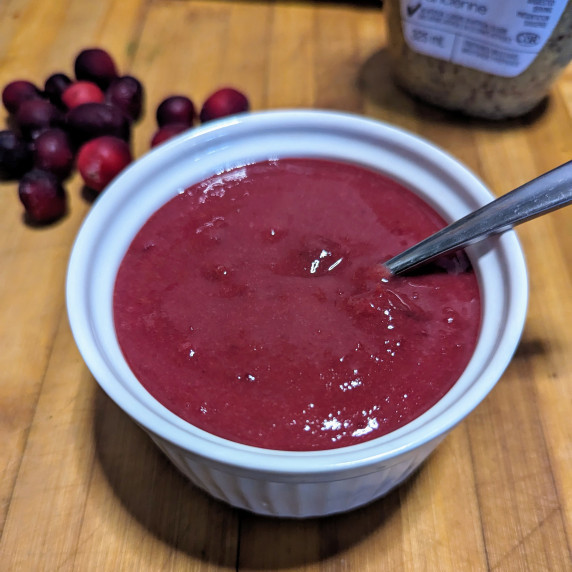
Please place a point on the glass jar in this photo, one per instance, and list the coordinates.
(486, 58)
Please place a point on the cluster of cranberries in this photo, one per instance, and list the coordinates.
(85, 122)
(177, 113)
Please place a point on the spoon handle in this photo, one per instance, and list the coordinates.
(546, 193)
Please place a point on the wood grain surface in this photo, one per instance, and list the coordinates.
(82, 488)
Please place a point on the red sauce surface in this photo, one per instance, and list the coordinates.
(248, 305)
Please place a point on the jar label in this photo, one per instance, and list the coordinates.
(500, 37)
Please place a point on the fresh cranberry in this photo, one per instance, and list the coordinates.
(35, 115)
(16, 92)
(15, 155)
(53, 152)
(101, 160)
(91, 120)
(225, 101)
(126, 93)
(80, 92)
(176, 109)
(54, 86)
(166, 132)
(96, 65)
(43, 196)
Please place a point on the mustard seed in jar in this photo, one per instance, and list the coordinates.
(484, 58)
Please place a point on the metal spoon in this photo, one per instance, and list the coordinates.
(546, 193)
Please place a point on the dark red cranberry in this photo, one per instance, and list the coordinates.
(225, 101)
(53, 152)
(176, 109)
(55, 85)
(126, 93)
(101, 160)
(166, 132)
(15, 155)
(43, 196)
(16, 92)
(35, 115)
(96, 65)
(92, 120)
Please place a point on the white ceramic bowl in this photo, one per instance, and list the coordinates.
(290, 484)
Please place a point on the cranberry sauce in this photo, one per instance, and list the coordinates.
(251, 306)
